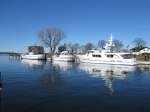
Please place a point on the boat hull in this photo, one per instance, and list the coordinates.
(66, 59)
(34, 57)
(113, 62)
(133, 61)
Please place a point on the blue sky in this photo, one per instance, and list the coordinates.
(82, 21)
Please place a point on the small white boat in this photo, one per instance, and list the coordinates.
(33, 56)
(64, 56)
(107, 56)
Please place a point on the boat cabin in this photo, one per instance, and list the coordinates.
(65, 53)
(99, 54)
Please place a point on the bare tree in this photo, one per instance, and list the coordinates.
(76, 47)
(36, 49)
(118, 45)
(101, 43)
(51, 38)
(69, 46)
(73, 47)
(88, 46)
(139, 43)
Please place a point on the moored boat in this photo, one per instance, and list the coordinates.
(64, 56)
(33, 56)
(108, 56)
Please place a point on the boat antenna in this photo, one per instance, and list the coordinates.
(111, 37)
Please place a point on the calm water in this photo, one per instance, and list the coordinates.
(38, 86)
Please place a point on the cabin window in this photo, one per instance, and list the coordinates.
(127, 56)
(90, 52)
(64, 54)
(98, 56)
(110, 56)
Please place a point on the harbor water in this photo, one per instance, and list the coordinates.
(40, 86)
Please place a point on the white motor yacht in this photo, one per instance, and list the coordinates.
(108, 56)
(64, 56)
(33, 56)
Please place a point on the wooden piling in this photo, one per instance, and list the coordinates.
(15, 56)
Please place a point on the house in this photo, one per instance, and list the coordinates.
(138, 51)
(145, 50)
(141, 54)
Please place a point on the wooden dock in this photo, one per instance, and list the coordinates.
(15, 56)
(144, 62)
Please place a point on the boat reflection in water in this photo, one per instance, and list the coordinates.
(144, 68)
(52, 74)
(62, 65)
(33, 64)
(107, 72)
(51, 77)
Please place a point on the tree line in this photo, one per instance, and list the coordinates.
(52, 37)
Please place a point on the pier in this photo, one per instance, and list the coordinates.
(14, 55)
(144, 62)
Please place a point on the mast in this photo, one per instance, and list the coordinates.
(109, 44)
(111, 40)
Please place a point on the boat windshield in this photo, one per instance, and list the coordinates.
(127, 56)
(66, 53)
(93, 51)
(90, 52)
